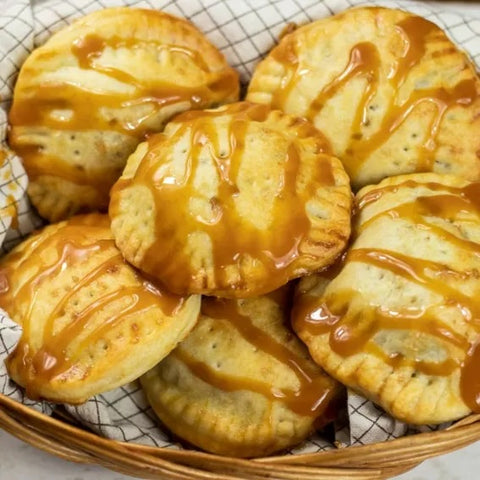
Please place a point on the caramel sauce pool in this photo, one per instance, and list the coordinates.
(315, 390)
(233, 238)
(364, 62)
(351, 333)
(85, 109)
(74, 243)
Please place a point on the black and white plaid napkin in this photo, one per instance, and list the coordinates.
(244, 30)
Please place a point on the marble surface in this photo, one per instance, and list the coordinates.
(19, 461)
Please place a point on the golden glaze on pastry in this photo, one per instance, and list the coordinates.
(11, 192)
(232, 202)
(85, 99)
(389, 90)
(398, 320)
(241, 384)
(90, 322)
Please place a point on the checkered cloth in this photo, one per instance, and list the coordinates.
(244, 30)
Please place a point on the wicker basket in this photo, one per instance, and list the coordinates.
(378, 461)
(384, 460)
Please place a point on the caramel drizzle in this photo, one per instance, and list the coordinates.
(86, 108)
(364, 62)
(60, 350)
(3, 157)
(10, 210)
(352, 332)
(38, 163)
(86, 105)
(463, 94)
(315, 390)
(166, 258)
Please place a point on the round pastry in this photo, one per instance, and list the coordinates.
(232, 202)
(241, 384)
(90, 322)
(397, 320)
(85, 99)
(388, 88)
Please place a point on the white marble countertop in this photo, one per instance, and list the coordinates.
(19, 461)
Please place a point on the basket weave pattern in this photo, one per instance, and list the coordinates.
(369, 462)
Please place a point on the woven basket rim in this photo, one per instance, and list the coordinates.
(375, 461)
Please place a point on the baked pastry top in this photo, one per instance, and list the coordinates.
(232, 202)
(90, 321)
(86, 98)
(241, 384)
(397, 319)
(389, 90)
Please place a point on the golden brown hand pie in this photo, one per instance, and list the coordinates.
(232, 202)
(399, 321)
(241, 384)
(90, 321)
(85, 99)
(389, 90)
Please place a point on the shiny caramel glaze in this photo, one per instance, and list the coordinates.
(11, 191)
(314, 391)
(10, 211)
(118, 74)
(3, 157)
(399, 93)
(445, 212)
(266, 168)
(76, 299)
(242, 355)
(87, 106)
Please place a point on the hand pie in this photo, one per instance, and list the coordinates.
(90, 322)
(399, 320)
(241, 384)
(234, 202)
(85, 99)
(388, 88)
